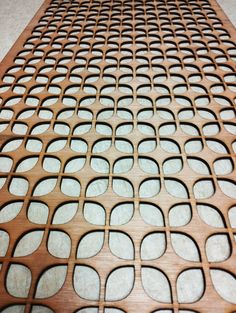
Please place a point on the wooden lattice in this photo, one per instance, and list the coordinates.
(117, 124)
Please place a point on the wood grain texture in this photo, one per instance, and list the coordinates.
(114, 105)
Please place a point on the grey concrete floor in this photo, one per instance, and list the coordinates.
(14, 17)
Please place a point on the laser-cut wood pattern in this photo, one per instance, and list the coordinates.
(119, 106)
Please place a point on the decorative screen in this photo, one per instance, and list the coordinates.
(117, 161)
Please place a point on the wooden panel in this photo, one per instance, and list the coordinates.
(118, 159)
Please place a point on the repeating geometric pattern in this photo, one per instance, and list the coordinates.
(117, 160)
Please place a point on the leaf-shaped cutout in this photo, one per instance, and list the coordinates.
(89, 89)
(38, 212)
(26, 164)
(230, 127)
(85, 114)
(228, 187)
(223, 166)
(206, 114)
(40, 128)
(17, 129)
(180, 215)
(189, 129)
(19, 186)
(18, 308)
(193, 146)
(124, 101)
(75, 165)
(211, 129)
(190, 286)
(45, 186)
(216, 146)
(102, 145)
(73, 89)
(82, 128)
(153, 246)
(78, 145)
(165, 114)
(18, 280)
(65, 212)
(169, 146)
(113, 310)
(124, 146)
(123, 165)
(176, 188)
(5, 164)
(105, 114)
(34, 145)
(146, 129)
(90, 244)
(4, 242)
(148, 165)
(119, 283)
(12, 101)
(61, 129)
(122, 187)
(124, 129)
(2, 181)
(156, 284)
(121, 245)
(59, 244)
(149, 188)
(232, 216)
(88, 310)
(151, 214)
(167, 129)
(41, 309)
(210, 215)
(122, 213)
(56, 145)
(51, 164)
(51, 281)
(86, 282)
(45, 114)
(145, 114)
(12, 145)
(69, 101)
(218, 248)
(103, 129)
(99, 165)
(185, 247)
(70, 187)
(26, 114)
(186, 114)
(94, 213)
(10, 210)
(198, 166)
(32, 101)
(203, 189)
(6, 114)
(97, 187)
(147, 146)
(225, 284)
(234, 146)
(172, 165)
(29, 243)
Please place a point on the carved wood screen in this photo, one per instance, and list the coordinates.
(117, 164)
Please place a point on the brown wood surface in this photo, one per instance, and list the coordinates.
(172, 40)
